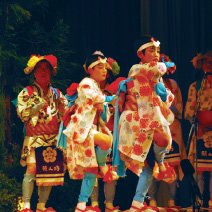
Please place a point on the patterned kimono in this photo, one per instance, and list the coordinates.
(84, 123)
(41, 128)
(204, 115)
(144, 112)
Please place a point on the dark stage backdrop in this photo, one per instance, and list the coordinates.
(182, 26)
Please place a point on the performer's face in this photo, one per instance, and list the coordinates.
(152, 53)
(43, 73)
(207, 65)
(98, 72)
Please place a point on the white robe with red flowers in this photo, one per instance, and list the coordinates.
(84, 123)
(136, 128)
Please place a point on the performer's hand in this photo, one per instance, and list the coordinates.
(99, 107)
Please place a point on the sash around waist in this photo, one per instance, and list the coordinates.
(42, 129)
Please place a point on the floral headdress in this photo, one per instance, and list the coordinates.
(198, 60)
(113, 66)
(34, 59)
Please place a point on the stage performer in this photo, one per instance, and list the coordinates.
(89, 141)
(146, 117)
(109, 87)
(177, 152)
(200, 92)
(41, 107)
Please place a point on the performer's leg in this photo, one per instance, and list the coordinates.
(160, 152)
(210, 190)
(27, 187)
(142, 187)
(101, 157)
(152, 192)
(86, 189)
(103, 141)
(43, 193)
(95, 195)
(109, 190)
(200, 182)
(172, 193)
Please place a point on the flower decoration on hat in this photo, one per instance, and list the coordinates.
(113, 66)
(155, 43)
(34, 59)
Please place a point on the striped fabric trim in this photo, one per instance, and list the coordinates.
(172, 156)
(53, 181)
(131, 102)
(42, 129)
(49, 175)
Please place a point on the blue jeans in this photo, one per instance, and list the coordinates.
(143, 184)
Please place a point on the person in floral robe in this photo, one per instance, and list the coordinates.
(177, 152)
(41, 108)
(88, 139)
(201, 91)
(109, 87)
(146, 117)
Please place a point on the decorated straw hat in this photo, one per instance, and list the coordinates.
(198, 60)
(34, 59)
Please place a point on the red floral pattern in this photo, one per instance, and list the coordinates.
(152, 64)
(88, 153)
(129, 117)
(137, 149)
(145, 90)
(79, 110)
(156, 101)
(74, 118)
(135, 116)
(82, 130)
(142, 79)
(144, 123)
(142, 137)
(154, 125)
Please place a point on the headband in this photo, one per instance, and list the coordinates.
(100, 60)
(146, 45)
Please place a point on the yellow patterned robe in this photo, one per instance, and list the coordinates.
(41, 128)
